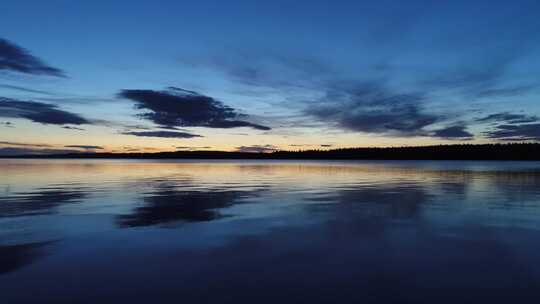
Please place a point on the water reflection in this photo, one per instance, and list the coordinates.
(40, 201)
(14, 257)
(388, 201)
(166, 203)
(267, 232)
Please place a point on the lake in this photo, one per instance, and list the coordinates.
(131, 231)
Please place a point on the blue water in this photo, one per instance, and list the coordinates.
(109, 231)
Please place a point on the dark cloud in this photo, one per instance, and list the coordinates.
(326, 145)
(18, 148)
(12, 151)
(177, 107)
(15, 58)
(38, 112)
(371, 108)
(300, 145)
(515, 132)
(138, 127)
(85, 147)
(164, 134)
(509, 118)
(257, 149)
(137, 149)
(73, 128)
(228, 124)
(17, 144)
(193, 148)
(453, 132)
(7, 124)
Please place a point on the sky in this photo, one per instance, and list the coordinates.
(260, 76)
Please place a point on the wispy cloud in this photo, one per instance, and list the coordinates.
(371, 108)
(507, 91)
(511, 127)
(515, 132)
(510, 118)
(266, 70)
(24, 89)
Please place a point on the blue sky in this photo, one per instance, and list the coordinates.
(257, 75)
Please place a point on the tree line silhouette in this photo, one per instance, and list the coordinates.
(509, 151)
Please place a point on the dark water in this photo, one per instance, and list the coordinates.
(98, 231)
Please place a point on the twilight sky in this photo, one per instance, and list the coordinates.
(148, 76)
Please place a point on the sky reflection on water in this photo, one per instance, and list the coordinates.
(140, 231)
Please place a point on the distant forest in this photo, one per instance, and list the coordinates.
(510, 151)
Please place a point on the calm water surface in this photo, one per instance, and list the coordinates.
(98, 231)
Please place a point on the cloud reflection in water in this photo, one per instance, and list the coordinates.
(40, 201)
(168, 203)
